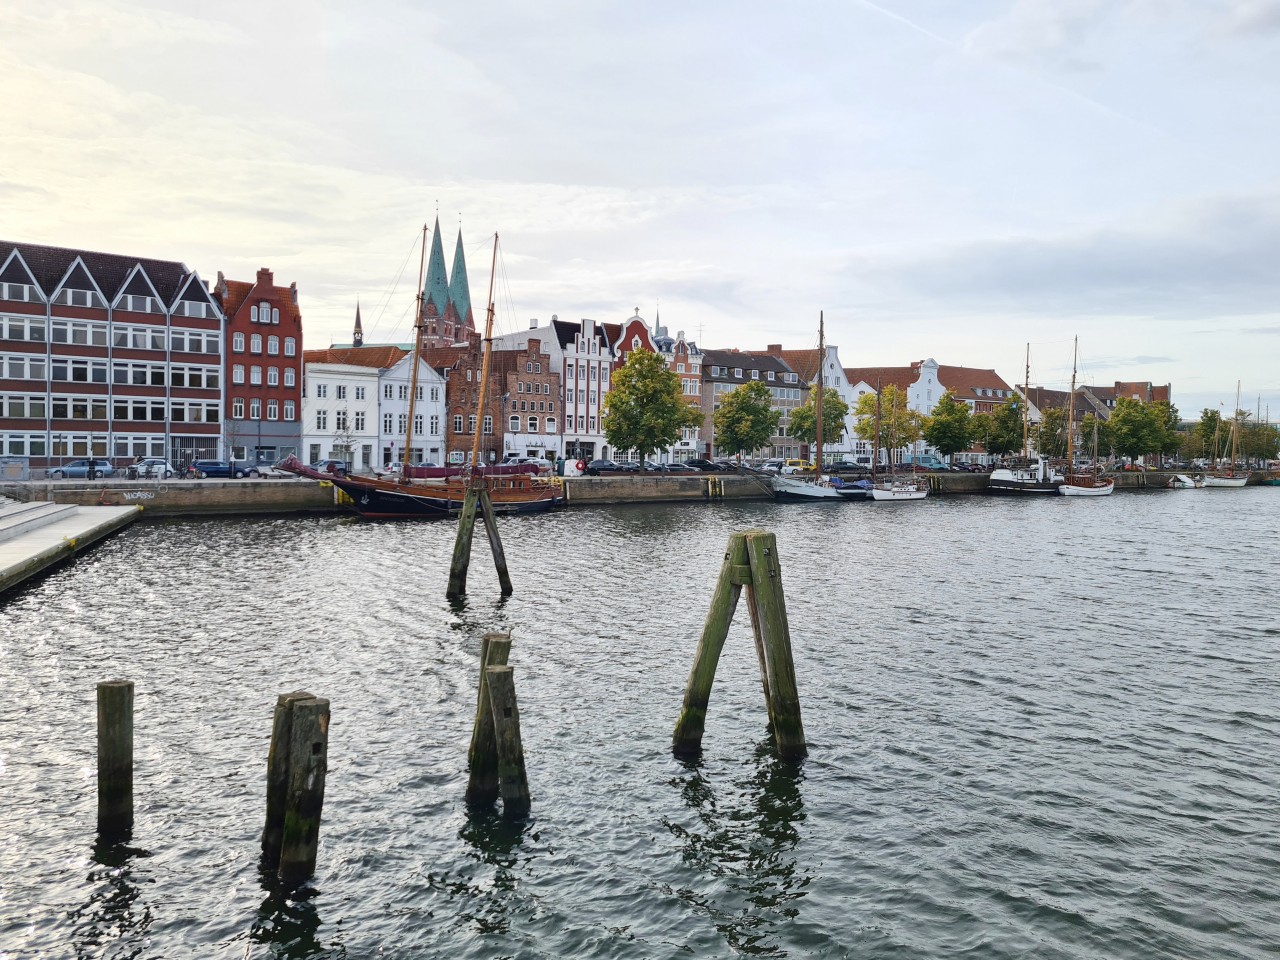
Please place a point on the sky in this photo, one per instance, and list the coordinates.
(940, 179)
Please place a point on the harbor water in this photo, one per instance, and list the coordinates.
(1036, 729)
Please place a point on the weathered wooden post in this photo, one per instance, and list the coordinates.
(462, 547)
(115, 758)
(495, 542)
(296, 770)
(506, 722)
(751, 559)
(482, 757)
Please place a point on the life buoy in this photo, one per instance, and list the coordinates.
(582, 467)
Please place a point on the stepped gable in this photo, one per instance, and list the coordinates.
(110, 270)
(900, 377)
(435, 289)
(459, 307)
(382, 357)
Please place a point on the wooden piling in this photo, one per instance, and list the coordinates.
(495, 542)
(506, 722)
(687, 739)
(771, 611)
(482, 757)
(115, 758)
(304, 800)
(278, 776)
(462, 547)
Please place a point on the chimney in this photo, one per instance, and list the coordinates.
(533, 324)
(265, 278)
(775, 350)
(293, 291)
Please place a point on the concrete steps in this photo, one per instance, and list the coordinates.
(18, 518)
(39, 534)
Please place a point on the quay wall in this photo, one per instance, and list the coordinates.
(660, 489)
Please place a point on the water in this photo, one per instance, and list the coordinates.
(1036, 729)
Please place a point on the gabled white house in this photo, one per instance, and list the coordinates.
(427, 442)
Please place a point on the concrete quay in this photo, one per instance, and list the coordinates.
(37, 535)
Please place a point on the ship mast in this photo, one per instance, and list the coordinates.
(417, 354)
(817, 404)
(1026, 409)
(1071, 409)
(484, 369)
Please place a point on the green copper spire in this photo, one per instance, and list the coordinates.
(435, 291)
(459, 289)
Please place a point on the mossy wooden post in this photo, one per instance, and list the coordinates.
(771, 615)
(506, 724)
(278, 776)
(495, 542)
(304, 800)
(462, 546)
(482, 757)
(115, 758)
(734, 572)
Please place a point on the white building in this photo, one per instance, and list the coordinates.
(339, 412)
(427, 442)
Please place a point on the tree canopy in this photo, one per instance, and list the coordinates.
(949, 428)
(899, 426)
(1002, 429)
(645, 409)
(746, 419)
(804, 421)
(1051, 434)
(1138, 428)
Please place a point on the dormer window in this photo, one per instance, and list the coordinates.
(771, 380)
(635, 343)
(755, 374)
(737, 373)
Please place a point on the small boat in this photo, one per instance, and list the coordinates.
(1180, 481)
(1081, 483)
(894, 489)
(1030, 476)
(853, 489)
(1230, 477)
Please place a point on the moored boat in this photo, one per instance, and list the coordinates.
(1036, 477)
(1082, 483)
(1181, 481)
(900, 488)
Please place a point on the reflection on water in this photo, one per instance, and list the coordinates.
(493, 844)
(288, 922)
(747, 837)
(115, 919)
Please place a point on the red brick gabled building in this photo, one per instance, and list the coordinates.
(264, 367)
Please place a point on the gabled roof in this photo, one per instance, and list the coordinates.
(233, 294)
(803, 362)
(900, 377)
(966, 382)
(110, 270)
(733, 359)
(443, 358)
(382, 357)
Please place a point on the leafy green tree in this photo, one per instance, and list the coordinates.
(746, 419)
(1003, 429)
(1051, 436)
(1137, 428)
(1088, 424)
(949, 428)
(1209, 432)
(645, 409)
(899, 426)
(804, 420)
(1165, 416)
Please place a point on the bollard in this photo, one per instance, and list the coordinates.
(115, 758)
(482, 757)
(506, 722)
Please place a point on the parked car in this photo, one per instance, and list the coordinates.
(706, 466)
(772, 466)
(602, 468)
(339, 468)
(152, 468)
(224, 469)
(796, 466)
(82, 469)
(681, 468)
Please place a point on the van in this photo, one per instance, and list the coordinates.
(925, 461)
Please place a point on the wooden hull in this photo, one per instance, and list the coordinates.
(1087, 487)
(1211, 481)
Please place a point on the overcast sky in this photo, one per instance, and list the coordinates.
(946, 180)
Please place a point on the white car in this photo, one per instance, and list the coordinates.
(153, 468)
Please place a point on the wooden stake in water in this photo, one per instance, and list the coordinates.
(115, 758)
(296, 770)
(751, 560)
(506, 724)
(482, 758)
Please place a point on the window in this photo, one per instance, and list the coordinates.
(275, 315)
(771, 380)
(322, 419)
(386, 423)
(290, 347)
(289, 379)
(273, 346)
(359, 393)
(487, 426)
(237, 373)
(468, 375)
(457, 423)
(514, 424)
(533, 424)
(237, 342)
(471, 424)
(273, 376)
(322, 391)
(360, 421)
(386, 391)
(680, 369)
(755, 375)
(435, 394)
(519, 386)
(340, 420)
(737, 373)
(528, 366)
(417, 424)
(273, 410)
(237, 408)
(255, 343)
(551, 424)
(435, 425)
(341, 392)
(288, 410)
(255, 409)
(255, 374)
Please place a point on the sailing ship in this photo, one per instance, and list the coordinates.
(895, 488)
(1080, 483)
(1031, 476)
(412, 495)
(1229, 477)
(795, 486)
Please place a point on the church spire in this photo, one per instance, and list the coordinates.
(357, 336)
(459, 289)
(435, 291)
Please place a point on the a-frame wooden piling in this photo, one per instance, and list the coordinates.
(476, 500)
(750, 560)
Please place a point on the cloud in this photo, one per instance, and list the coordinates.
(1037, 29)
(1253, 17)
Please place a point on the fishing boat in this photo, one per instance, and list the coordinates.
(1180, 481)
(895, 488)
(1230, 476)
(419, 492)
(1029, 476)
(1081, 483)
(817, 487)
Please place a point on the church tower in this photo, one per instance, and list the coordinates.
(357, 335)
(437, 329)
(460, 293)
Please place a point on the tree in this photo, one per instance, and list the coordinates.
(899, 426)
(1208, 432)
(1165, 415)
(1051, 436)
(1137, 428)
(1088, 424)
(1004, 430)
(804, 420)
(746, 419)
(950, 428)
(645, 409)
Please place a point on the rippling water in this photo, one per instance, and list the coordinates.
(1043, 729)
